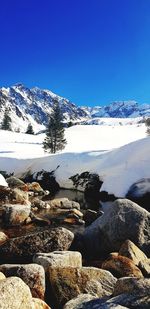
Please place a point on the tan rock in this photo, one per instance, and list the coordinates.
(35, 187)
(39, 304)
(121, 266)
(69, 282)
(3, 237)
(19, 196)
(2, 276)
(15, 214)
(32, 274)
(73, 220)
(76, 212)
(59, 259)
(14, 293)
(64, 203)
(130, 250)
(145, 267)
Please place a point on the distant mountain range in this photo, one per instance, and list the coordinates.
(34, 105)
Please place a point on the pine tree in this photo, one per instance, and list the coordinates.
(147, 123)
(6, 122)
(55, 140)
(29, 129)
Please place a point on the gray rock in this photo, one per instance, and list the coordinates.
(58, 259)
(137, 300)
(32, 274)
(15, 214)
(130, 284)
(14, 182)
(123, 220)
(79, 301)
(23, 248)
(132, 292)
(14, 293)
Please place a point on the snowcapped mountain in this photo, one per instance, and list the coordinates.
(120, 109)
(34, 106)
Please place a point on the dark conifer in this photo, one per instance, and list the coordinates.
(6, 122)
(29, 129)
(55, 140)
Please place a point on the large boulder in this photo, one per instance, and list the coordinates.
(58, 259)
(139, 193)
(32, 274)
(14, 293)
(23, 248)
(15, 214)
(123, 220)
(128, 293)
(69, 282)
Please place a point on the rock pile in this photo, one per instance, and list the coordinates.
(107, 266)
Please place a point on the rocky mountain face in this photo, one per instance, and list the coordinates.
(34, 105)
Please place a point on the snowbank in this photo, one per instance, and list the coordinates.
(118, 168)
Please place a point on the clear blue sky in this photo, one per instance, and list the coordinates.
(90, 51)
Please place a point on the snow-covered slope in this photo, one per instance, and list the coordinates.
(33, 106)
(119, 168)
(113, 121)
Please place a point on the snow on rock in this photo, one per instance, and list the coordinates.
(3, 182)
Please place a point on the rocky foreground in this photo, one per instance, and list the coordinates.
(43, 264)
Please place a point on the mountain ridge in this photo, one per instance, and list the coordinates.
(34, 105)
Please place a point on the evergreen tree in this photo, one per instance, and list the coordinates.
(55, 140)
(147, 123)
(6, 122)
(29, 129)
(70, 124)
